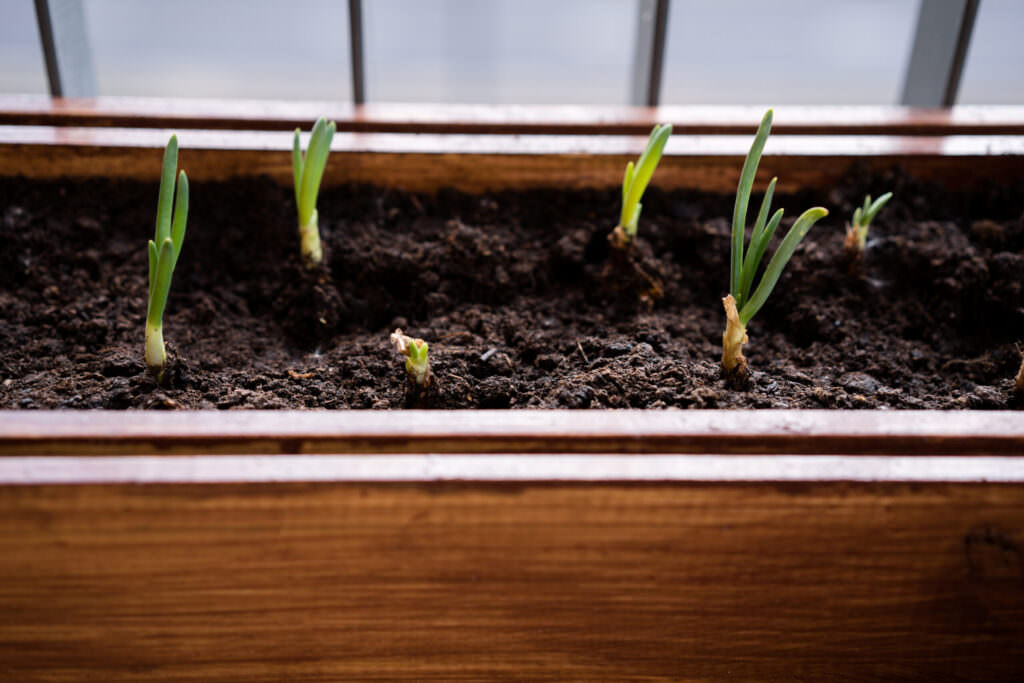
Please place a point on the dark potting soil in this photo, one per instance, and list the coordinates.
(518, 294)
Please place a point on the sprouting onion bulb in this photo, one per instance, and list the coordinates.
(857, 230)
(741, 304)
(417, 364)
(308, 169)
(635, 182)
(164, 250)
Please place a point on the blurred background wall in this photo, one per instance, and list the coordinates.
(515, 51)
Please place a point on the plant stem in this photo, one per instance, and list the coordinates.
(156, 356)
(619, 238)
(417, 362)
(419, 372)
(856, 238)
(733, 339)
(309, 237)
(853, 249)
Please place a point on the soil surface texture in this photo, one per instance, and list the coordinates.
(521, 298)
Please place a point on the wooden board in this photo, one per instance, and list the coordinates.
(768, 432)
(495, 162)
(500, 582)
(386, 117)
(517, 546)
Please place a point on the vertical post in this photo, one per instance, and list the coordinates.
(355, 28)
(66, 48)
(940, 48)
(649, 52)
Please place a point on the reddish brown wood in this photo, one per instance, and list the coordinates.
(484, 119)
(512, 583)
(893, 565)
(715, 432)
(483, 163)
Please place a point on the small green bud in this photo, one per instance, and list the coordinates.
(857, 230)
(634, 183)
(417, 363)
(308, 171)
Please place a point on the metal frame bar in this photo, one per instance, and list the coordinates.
(355, 27)
(66, 51)
(941, 40)
(649, 52)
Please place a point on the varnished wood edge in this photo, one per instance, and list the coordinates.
(553, 468)
(222, 114)
(680, 144)
(914, 433)
(426, 163)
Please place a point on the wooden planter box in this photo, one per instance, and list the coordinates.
(509, 545)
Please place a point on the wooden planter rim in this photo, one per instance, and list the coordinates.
(502, 447)
(485, 163)
(221, 114)
(447, 157)
(490, 148)
(702, 432)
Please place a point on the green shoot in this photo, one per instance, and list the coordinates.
(857, 230)
(417, 364)
(309, 171)
(742, 304)
(635, 182)
(164, 250)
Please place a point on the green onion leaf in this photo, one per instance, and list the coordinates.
(739, 215)
(626, 182)
(313, 168)
(871, 211)
(166, 196)
(641, 176)
(755, 253)
(180, 215)
(779, 260)
(161, 285)
(152, 263)
(750, 264)
(418, 352)
(634, 219)
(297, 164)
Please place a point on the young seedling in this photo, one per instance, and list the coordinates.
(417, 365)
(741, 305)
(164, 250)
(857, 230)
(309, 171)
(634, 183)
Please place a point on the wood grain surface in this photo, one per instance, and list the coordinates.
(895, 564)
(387, 117)
(475, 582)
(479, 163)
(764, 432)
